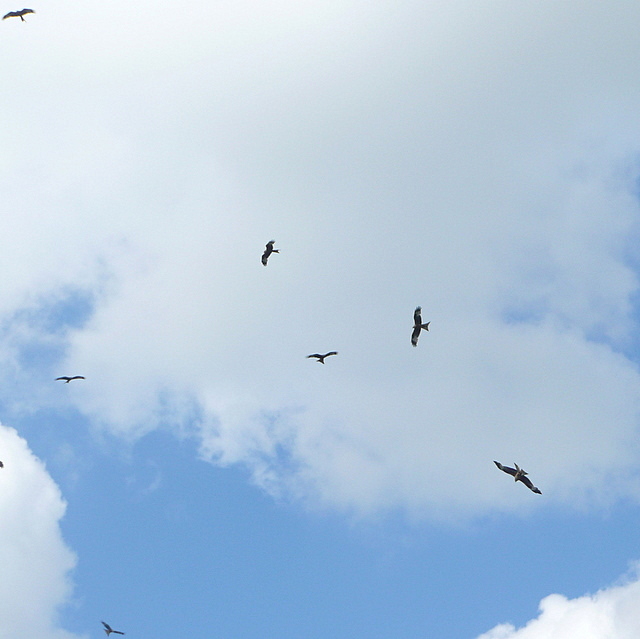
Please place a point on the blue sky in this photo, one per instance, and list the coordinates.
(477, 159)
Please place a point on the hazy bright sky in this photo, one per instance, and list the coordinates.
(478, 158)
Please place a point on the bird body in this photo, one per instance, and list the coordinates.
(320, 358)
(108, 629)
(418, 326)
(268, 250)
(519, 474)
(68, 379)
(18, 14)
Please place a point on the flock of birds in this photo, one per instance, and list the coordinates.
(517, 473)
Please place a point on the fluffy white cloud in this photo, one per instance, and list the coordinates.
(475, 160)
(35, 560)
(611, 612)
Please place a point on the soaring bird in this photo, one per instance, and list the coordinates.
(268, 250)
(519, 475)
(18, 14)
(108, 629)
(68, 379)
(320, 358)
(1, 465)
(418, 325)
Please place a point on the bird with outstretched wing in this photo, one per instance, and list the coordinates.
(320, 358)
(519, 474)
(18, 14)
(108, 629)
(68, 379)
(418, 326)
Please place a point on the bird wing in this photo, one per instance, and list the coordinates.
(77, 377)
(66, 379)
(314, 355)
(529, 484)
(106, 625)
(506, 469)
(11, 14)
(25, 11)
(267, 252)
(331, 353)
(415, 334)
(417, 316)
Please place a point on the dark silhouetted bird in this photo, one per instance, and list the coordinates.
(1, 465)
(68, 379)
(108, 629)
(519, 475)
(418, 325)
(268, 250)
(320, 358)
(18, 14)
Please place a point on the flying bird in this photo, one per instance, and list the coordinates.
(268, 250)
(418, 325)
(1, 465)
(68, 379)
(18, 14)
(108, 629)
(519, 475)
(320, 358)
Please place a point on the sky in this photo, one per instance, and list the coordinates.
(207, 479)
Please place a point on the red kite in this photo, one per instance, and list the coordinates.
(18, 14)
(418, 325)
(320, 358)
(268, 250)
(519, 475)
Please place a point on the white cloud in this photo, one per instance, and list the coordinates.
(35, 560)
(610, 613)
(476, 160)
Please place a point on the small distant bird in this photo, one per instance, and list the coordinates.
(519, 475)
(1, 465)
(268, 250)
(108, 629)
(418, 325)
(18, 14)
(320, 358)
(68, 379)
